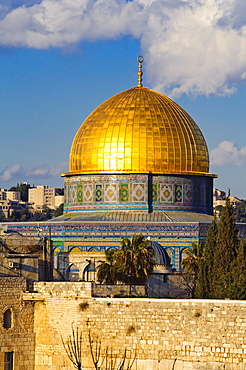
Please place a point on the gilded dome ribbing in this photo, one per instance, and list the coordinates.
(139, 131)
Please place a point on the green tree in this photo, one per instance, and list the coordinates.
(23, 188)
(225, 254)
(59, 210)
(238, 286)
(131, 264)
(25, 215)
(46, 214)
(205, 273)
(222, 271)
(15, 216)
(106, 271)
(134, 260)
(240, 211)
(190, 266)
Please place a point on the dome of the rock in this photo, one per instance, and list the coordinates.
(139, 131)
(139, 165)
(138, 153)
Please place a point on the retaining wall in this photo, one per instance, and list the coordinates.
(162, 333)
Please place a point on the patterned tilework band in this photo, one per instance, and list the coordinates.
(138, 192)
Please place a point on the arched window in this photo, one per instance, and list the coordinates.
(7, 319)
(73, 273)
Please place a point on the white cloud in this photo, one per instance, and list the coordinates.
(58, 169)
(55, 23)
(7, 6)
(190, 46)
(45, 171)
(227, 153)
(17, 173)
(10, 172)
(191, 53)
(41, 171)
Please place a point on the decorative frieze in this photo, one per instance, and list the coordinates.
(115, 191)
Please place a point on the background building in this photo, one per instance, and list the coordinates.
(10, 195)
(42, 196)
(30, 258)
(219, 199)
(10, 201)
(7, 207)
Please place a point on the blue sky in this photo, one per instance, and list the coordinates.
(59, 59)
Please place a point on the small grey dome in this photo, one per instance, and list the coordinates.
(161, 256)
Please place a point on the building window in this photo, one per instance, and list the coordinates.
(165, 278)
(8, 360)
(7, 319)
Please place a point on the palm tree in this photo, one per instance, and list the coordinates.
(105, 271)
(134, 260)
(191, 264)
(131, 264)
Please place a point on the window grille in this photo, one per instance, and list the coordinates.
(8, 360)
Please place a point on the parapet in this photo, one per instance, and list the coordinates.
(64, 289)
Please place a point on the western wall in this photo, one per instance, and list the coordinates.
(162, 333)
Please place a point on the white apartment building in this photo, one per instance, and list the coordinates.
(14, 195)
(10, 195)
(43, 196)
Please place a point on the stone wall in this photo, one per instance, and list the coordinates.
(19, 338)
(163, 333)
(120, 291)
(62, 289)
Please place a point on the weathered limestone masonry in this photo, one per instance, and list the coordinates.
(103, 290)
(19, 338)
(186, 334)
(56, 310)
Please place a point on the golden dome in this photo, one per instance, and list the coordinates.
(139, 131)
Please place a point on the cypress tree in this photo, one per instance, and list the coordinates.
(225, 254)
(238, 271)
(205, 275)
(222, 272)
